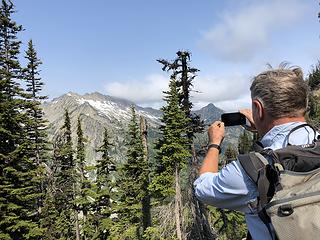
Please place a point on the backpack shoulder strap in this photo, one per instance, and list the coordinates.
(252, 164)
(255, 166)
(301, 126)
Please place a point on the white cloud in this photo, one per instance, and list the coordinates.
(241, 33)
(216, 89)
(208, 89)
(229, 93)
(148, 90)
(235, 105)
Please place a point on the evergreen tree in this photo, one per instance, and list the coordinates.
(104, 184)
(19, 185)
(245, 142)
(36, 125)
(65, 180)
(314, 96)
(230, 153)
(314, 77)
(84, 189)
(184, 74)
(172, 153)
(131, 185)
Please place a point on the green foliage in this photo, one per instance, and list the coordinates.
(314, 77)
(245, 142)
(61, 190)
(184, 75)
(230, 153)
(314, 96)
(104, 187)
(173, 147)
(84, 189)
(19, 171)
(132, 188)
(229, 224)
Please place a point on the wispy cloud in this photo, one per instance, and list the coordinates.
(242, 32)
(143, 91)
(207, 89)
(221, 88)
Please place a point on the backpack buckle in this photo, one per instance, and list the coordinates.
(285, 210)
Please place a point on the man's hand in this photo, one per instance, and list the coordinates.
(248, 114)
(216, 132)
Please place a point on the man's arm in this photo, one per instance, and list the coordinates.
(228, 188)
(216, 135)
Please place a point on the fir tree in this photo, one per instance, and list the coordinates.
(19, 185)
(184, 75)
(230, 153)
(104, 184)
(131, 185)
(65, 180)
(84, 189)
(313, 81)
(314, 77)
(172, 153)
(245, 142)
(36, 126)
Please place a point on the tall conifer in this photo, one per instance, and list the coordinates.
(65, 180)
(245, 142)
(184, 74)
(19, 189)
(105, 185)
(131, 184)
(84, 189)
(36, 125)
(173, 153)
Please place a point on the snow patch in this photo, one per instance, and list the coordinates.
(111, 110)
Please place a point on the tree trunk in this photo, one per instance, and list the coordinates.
(178, 205)
(200, 227)
(146, 207)
(77, 225)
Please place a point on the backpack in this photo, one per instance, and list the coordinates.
(288, 182)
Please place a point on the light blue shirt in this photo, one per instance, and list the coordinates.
(231, 187)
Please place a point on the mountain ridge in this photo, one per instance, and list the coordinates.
(98, 111)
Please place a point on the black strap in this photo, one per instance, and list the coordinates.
(257, 146)
(301, 126)
(266, 220)
(256, 170)
(249, 237)
(252, 165)
(263, 188)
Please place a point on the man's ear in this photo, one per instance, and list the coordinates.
(259, 108)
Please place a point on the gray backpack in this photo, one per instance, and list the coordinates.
(288, 181)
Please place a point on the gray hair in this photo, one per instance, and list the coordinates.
(282, 91)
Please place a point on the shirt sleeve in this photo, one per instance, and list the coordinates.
(230, 188)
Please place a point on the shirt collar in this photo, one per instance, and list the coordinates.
(271, 136)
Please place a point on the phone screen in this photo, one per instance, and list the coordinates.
(233, 119)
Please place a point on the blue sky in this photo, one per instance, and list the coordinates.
(112, 46)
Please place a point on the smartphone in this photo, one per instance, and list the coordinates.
(233, 119)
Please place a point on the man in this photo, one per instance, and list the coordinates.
(279, 103)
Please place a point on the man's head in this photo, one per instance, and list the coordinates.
(278, 94)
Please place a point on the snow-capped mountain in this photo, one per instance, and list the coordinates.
(98, 111)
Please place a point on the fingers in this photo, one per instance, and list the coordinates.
(216, 132)
(247, 113)
(217, 124)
